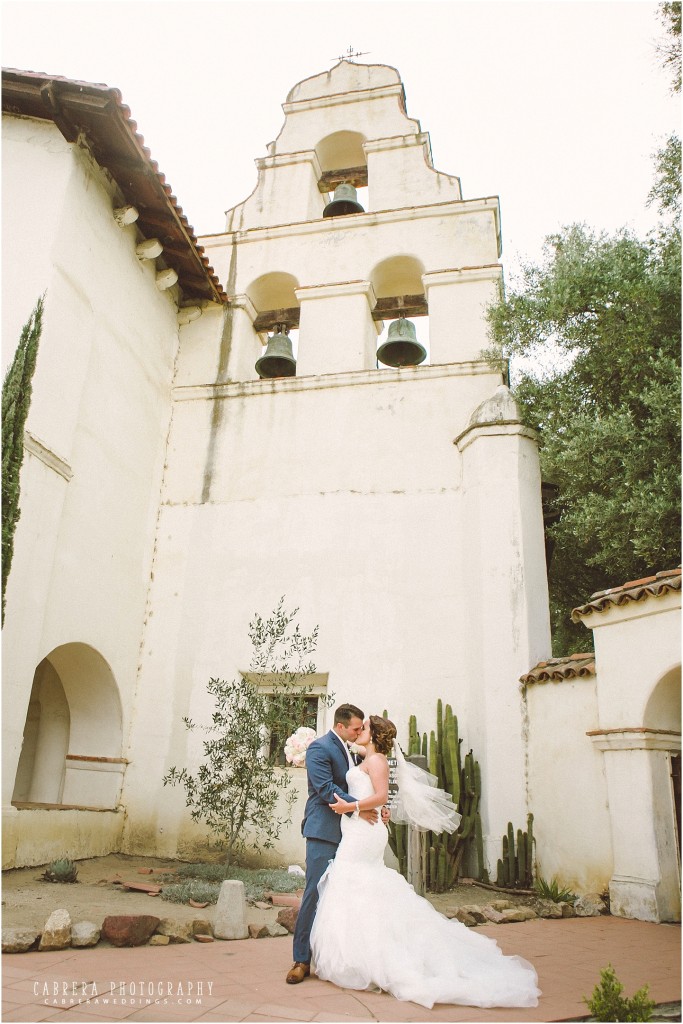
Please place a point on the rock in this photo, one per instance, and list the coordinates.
(518, 914)
(460, 914)
(177, 931)
(199, 937)
(145, 871)
(567, 910)
(129, 929)
(262, 905)
(475, 911)
(501, 905)
(200, 926)
(230, 918)
(57, 931)
(287, 917)
(84, 934)
(274, 930)
(492, 915)
(258, 931)
(547, 908)
(18, 940)
(159, 940)
(590, 905)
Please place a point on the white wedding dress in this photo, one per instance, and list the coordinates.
(372, 931)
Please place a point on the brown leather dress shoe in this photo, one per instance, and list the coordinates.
(298, 973)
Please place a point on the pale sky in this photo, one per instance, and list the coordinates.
(556, 106)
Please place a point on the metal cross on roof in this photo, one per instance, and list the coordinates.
(350, 53)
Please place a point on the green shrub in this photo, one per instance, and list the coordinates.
(195, 889)
(62, 870)
(552, 890)
(608, 1004)
(204, 882)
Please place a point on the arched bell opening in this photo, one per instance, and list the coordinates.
(401, 304)
(277, 323)
(73, 737)
(344, 169)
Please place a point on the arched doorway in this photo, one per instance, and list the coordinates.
(71, 752)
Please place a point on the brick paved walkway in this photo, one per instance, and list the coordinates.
(244, 981)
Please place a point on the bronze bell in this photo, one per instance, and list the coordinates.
(278, 359)
(345, 201)
(401, 347)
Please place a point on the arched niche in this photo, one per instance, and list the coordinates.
(398, 275)
(273, 291)
(663, 709)
(341, 150)
(40, 772)
(72, 749)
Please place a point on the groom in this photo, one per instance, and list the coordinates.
(327, 761)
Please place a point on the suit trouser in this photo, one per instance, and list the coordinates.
(319, 853)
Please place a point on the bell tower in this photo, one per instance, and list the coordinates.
(350, 209)
(337, 437)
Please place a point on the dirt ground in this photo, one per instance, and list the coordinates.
(27, 901)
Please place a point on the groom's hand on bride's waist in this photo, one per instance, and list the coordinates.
(372, 816)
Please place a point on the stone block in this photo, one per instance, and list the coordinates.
(518, 914)
(159, 940)
(57, 931)
(129, 929)
(230, 917)
(567, 910)
(258, 931)
(18, 940)
(548, 908)
(275, 930)
(475, 911)
(590, 905)
(492, 915)
(200, 926)
(460, 914)
(501, 905)
(84, 934)
(177, 931)
(287, 917)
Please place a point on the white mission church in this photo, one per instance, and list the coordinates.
(211, 428)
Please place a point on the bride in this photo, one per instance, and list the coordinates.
(372, 931)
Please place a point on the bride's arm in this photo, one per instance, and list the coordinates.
(378, 770)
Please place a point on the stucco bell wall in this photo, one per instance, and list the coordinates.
(100, 411)
(345, 494)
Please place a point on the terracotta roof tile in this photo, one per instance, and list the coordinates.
(634, 590)
(98, 112)
(574, 666)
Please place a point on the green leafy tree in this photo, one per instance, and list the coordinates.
(16, 399)
(596, 330)
(670, 48)
(236, 789)
(593, 335)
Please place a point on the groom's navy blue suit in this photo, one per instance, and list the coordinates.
(326, 766)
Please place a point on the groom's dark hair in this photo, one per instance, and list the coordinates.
(345, 712)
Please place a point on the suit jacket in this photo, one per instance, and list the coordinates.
(326, 768)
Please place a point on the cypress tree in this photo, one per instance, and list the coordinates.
(16, 399)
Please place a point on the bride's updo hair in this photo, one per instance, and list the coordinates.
(382, 734)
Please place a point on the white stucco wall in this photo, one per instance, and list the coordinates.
(99, 417)
(567, 787)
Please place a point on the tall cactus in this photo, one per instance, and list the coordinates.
(461, 777)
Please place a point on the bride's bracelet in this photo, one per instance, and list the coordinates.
(358, 806)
